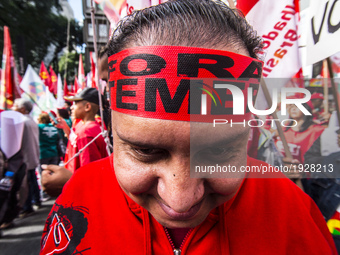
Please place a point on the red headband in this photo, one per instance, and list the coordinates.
(156, 81)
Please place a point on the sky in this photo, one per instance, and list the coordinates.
(77, 7)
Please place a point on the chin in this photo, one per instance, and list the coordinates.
(168, 223)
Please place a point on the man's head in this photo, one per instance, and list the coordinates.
(206, 24)
(85, 104)
(317, 100)
(63, 113)
(153, 156)
(22, 105)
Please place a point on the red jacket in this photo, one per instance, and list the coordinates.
(267, 216)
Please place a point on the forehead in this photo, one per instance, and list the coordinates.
(79, 101)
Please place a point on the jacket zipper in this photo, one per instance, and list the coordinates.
(177, 251)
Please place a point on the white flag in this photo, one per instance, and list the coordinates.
(32, 84)
(60, 93)
(276, 22)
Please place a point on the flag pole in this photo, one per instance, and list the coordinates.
(107, 141)
(33, 101)
(280, 130)
(325, 68)
(231, 4)
(334, 90)
(276, 119)
(67, 45)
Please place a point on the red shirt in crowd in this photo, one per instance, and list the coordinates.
(84, 133)
(300, 142)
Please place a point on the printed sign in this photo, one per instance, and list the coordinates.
(324, 30)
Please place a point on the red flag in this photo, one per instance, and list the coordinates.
(93, 72)
(335, 68)
(54, 82)
(298, 80)
(76, 85)
(44, 75)
(66, 91)
(81, 73)
(19, 78)
(16, 82)
(336, 62)
(8, 87)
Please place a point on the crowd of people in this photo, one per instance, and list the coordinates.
(54, 139)
(142, 199)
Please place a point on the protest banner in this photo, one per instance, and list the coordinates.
(323, 30)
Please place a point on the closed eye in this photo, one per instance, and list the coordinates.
(149, 155)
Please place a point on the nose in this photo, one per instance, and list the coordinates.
(177, 189)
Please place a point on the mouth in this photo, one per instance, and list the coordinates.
(181, 216)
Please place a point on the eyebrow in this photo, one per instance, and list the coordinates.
(136, 143)
(221, 142)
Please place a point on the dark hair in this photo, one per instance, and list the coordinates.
(24, 103)
(307, 122)
(63, 113)
(103, 51)
(68, 103)
(192, 23)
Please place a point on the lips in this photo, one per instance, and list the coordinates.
(180, 216)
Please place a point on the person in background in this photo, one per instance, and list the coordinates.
(48, 144)
(84, 108)
(144, 200)
(48, 140)
(64, 113)
(300, 138)
(12, 173)
(323, 186)
(63, 122)
(54, 179)
(31, 153)
(67, 106)
(319, 114)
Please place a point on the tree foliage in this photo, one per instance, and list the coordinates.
(72, 65)
(38, 24)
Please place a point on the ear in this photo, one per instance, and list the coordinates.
(23, 110)
(88, 107)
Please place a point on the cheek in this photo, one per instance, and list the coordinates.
(226, 187)
(133, 176)
(229, 183)
(104, 76)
